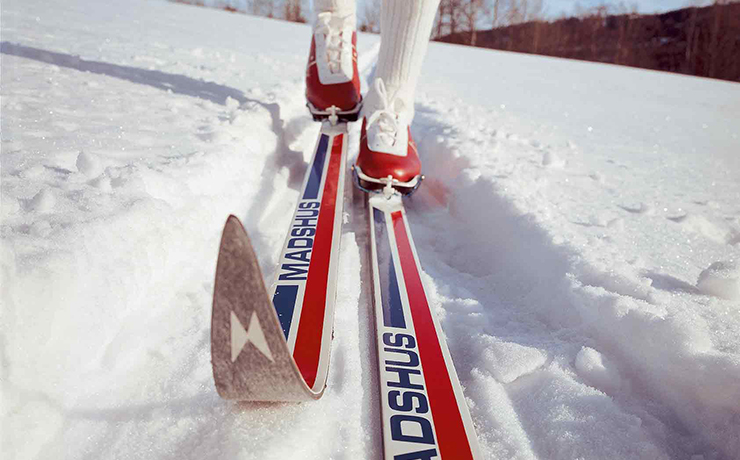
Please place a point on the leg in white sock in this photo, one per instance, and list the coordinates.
(405, 27)
(386, 147)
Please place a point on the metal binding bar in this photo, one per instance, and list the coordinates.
(404, 188)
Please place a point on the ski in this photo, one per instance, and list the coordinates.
(423, 409)
(273, 345)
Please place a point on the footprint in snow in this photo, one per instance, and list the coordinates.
(721, 279)
(552, 160)
(642, 208)
(597, 370)
(701, 225)
(9, 206)
(89, 164)
(42, 202)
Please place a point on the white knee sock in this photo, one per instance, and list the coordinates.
(405, 27)
(339, 7)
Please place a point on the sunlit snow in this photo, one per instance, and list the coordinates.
(579, 230)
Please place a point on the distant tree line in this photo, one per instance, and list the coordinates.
(703, 41)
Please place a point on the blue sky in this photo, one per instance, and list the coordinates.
(555, 7)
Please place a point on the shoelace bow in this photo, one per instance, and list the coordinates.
(385, 120)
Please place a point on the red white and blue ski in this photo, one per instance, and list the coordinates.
(273, 345)
(423, 408)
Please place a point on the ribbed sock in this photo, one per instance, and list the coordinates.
(405, 27)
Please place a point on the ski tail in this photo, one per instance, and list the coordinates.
(423, 407)
(273, 345)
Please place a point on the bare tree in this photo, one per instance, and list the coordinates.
(293, 11)
(456, 15)
(451, 13)
(535, 10)
(471, 11)
(514, 13)
(371, 16)
(438, 22)
(497, 12)
(692, 35)
(261, 8)
(597, 23)
(625, 18)
(714, 34)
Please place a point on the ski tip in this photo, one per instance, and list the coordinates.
(237, 286)
(233, 227)
(235, 244)
(249, 355)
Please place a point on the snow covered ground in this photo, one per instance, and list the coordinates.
(579, 230)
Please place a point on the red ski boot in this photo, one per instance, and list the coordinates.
(388, 155)
(332, 82)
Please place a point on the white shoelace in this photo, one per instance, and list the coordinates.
(334, 42)
(384, 121)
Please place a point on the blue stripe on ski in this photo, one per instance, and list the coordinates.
(284, 302)
(390, 296)
(317, 170)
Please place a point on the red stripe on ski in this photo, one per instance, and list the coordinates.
(307, 349)
(451, 436)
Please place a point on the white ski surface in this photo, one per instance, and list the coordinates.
(423, 407)
(569, 213)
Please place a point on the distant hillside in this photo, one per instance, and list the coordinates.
(696, 41)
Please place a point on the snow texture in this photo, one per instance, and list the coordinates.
(579, 229)
(721, 279)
